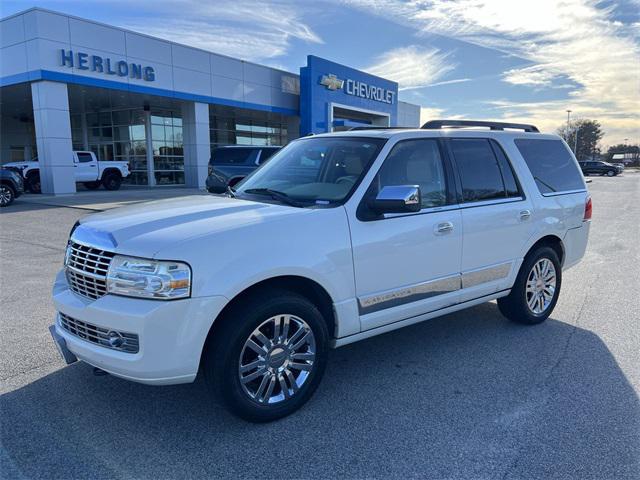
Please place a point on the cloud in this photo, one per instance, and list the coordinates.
(251, 30)
(412, 67)
(576, 40)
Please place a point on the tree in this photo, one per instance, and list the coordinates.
(589, 135)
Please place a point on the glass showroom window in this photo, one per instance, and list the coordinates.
(120, 135)
(237, 126)
(168, 147)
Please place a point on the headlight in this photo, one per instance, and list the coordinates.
(139, 277)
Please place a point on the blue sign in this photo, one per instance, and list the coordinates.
(96, 63)
(327, 87)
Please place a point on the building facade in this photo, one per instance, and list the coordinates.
(68, 83)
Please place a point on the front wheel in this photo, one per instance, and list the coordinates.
(610, 173)
(7, 195)
(268, 356)
(535, 292)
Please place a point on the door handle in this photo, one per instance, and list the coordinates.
(444, 227)
(525, 215)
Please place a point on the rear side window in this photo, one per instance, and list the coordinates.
(480, 172)
(266, 154)
(236, 156)
(84, 157)
(551, 165)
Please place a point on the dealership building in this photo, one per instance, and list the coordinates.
(68, 83)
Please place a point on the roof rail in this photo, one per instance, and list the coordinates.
(437, 124)
(377, 128)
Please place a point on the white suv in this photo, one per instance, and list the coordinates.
(339, 237)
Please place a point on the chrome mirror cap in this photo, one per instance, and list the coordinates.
(397, 199)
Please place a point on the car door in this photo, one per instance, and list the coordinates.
(496, 216)
(86, 167)
(408, 264)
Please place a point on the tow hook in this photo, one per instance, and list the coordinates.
(98, 372)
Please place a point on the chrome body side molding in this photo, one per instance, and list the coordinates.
(411, 293)
(486, 274)
(440, 286)
(339, 342)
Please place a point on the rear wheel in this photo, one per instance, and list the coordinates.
(112, 181)
(268, 356)
(7, 195)
(535, 292)
(33, 182)
(91, 185)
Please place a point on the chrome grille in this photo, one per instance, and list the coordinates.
(87, 270)
(115, 340)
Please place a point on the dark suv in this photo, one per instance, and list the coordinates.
(230, 164)
(11, 185)
(600, 168)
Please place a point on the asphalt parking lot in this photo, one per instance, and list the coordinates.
(468, 395)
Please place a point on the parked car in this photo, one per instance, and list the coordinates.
(11, 185)
(230, 164)
(338, 238)
(88, 170)
(600, 168)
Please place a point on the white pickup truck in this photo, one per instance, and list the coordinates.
(88, 171)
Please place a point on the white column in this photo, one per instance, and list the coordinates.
(151, 178)
(197, 145)
(53, 137)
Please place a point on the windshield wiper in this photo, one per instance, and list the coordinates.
(275, 194)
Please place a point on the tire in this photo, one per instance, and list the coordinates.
(611, 173)
(516, 306)
(112, 181)
(7, 195)
(228, 350)
(33, 182)
(91, 185)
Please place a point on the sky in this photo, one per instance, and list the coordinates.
(518, 60)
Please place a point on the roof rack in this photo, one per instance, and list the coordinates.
(377, 128)
(438, 124)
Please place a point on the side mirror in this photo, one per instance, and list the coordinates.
(216, 183)
(397, 199)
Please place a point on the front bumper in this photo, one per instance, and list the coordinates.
(171, 333)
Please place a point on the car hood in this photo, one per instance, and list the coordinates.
(20, 164)
(144, 229)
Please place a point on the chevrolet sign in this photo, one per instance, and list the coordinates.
(358, 89)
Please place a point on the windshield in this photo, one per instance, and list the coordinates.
(313, 171)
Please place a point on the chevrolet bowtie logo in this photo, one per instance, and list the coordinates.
(331, 82)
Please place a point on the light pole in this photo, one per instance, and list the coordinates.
(568, 121)
(575, 148)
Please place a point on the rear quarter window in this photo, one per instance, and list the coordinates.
(551, 165)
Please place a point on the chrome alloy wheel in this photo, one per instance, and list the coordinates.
(6, 195)
(541, 286)
(277, 359)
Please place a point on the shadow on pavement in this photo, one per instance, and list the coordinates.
(465, 395)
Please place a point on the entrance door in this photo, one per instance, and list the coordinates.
(408, 264)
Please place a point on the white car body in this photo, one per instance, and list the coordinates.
(87, 167)
(365, 268)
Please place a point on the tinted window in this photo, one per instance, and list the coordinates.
(479, 170)
(84, 157)
(266, 154)
(551, 165)
(508, 177)
(225, 156)
(415, 162)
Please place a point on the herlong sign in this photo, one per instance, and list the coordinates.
(106, 65)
